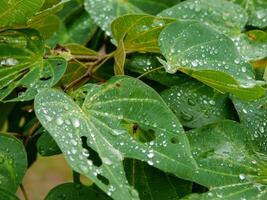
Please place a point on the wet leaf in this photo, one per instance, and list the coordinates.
(208, 56)
(15, 12)
(13, 163)
(221, 15)
(235, 167)
(154, 184)
(104, 12)
(46, 145)
(253, 116)
(197, 105)
(252, 45)
(257, 10)
(117, 121)
(139, 32)
(23, 69)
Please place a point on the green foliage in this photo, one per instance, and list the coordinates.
(148, 99)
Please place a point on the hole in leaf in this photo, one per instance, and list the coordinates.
(118, 85)
(174, 140)
(93, 154)
(103, 179)
(45, 78)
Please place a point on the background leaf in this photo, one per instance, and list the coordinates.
(71, 191)
(197, 105)
(257, 10)
(104, 12)
(235, 167)
(154, 184)
(15, 12)
(221, 15)
(208, 56)
(13, 163)
(253, 116)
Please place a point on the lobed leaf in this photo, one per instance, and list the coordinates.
(23, 69)
(117, 121)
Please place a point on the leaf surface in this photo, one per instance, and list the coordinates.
(235, 166)
(211, 57)
(221, 15)
(13, 163)
(196, 104)
(23, 70)
(117, 121)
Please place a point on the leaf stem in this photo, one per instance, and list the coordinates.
(146, 73)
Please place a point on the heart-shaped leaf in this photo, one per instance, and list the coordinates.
(117, 121)
(13, 163)
(23, 69)
(211, 57)
(221, 15)
(196, 105)
(235, 168)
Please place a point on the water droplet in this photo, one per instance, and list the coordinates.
(106, 161)
(186, 116)
(75, 122)
(59, 121)
(242, 176)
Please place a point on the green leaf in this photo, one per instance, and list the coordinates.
(13, 163)
(235, 168)
(139, 32)
(196, 105)
(210, 57)
(253, 116)
(149, 65)
(221, 15)
(81, 28)
(48, 26)
(5, 195)
(15, 12)
(23, 69)
(42, 15)
(104, 12)
(252, 45)
(152, 7)
(154, 184)
(117, 121)
(46, 145)
(75, 191)
(257, 10)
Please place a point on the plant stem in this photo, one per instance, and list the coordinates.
(24, 192)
